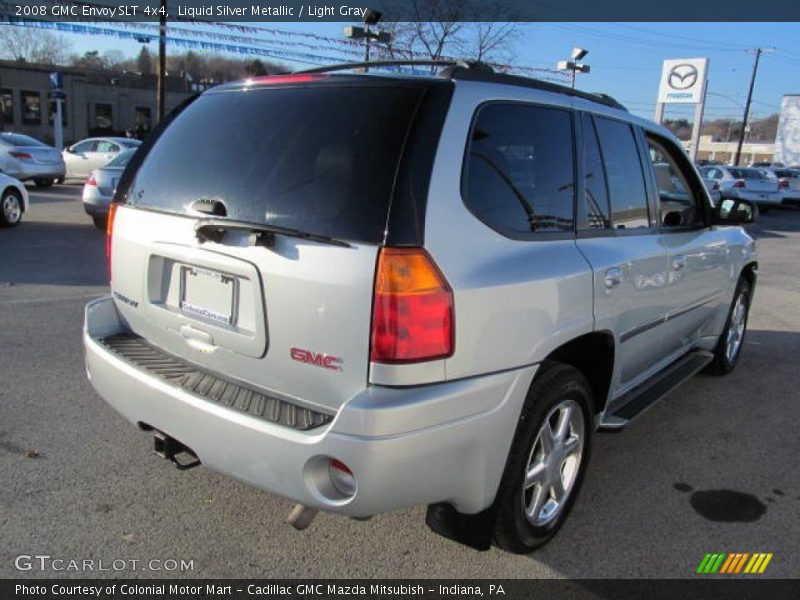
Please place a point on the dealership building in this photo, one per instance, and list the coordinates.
(96, 102)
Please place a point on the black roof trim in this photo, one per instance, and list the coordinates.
(458, 73)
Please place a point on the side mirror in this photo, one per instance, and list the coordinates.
(735, 212)
(69, 150)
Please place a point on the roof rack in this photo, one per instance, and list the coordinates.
(391, 63)
(475, 71)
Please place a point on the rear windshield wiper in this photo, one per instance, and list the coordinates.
(214, 230)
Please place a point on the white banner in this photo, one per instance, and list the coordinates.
(682, 80)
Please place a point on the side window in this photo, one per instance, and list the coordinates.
(596, 188)
(31, 108)
(87, 146)
(624, 172)
(107, 147)
(519, 174)
(679, 206)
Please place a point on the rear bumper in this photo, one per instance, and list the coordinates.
(765, 198)
(95, 203)
(33, 171)
(445, 442)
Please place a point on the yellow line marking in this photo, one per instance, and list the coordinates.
(765, 563)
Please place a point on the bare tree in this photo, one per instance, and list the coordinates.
(33, 45)
(446, 28)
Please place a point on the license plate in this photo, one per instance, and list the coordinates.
(208, 294)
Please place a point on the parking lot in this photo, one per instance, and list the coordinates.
(712, 469)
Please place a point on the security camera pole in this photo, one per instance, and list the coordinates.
(371, 17)
(573, 65)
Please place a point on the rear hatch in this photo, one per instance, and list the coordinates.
(278, 312)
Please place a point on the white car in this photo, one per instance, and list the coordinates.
(788, 183)
(93, 153)
(13, 201)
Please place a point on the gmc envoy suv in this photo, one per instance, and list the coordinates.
(364, 292)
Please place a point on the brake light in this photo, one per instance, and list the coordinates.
(112, 212)
(412, 311)
(739, 183)
(21, 155)
(91, 180)
(783, 184)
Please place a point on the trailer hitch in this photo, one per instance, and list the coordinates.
(169, 448)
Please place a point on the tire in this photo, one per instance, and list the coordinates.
(10, 207)
(558, 388)
(99, 222)
(43, 182)
(726, 357)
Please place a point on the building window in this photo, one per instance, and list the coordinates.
(142, 120)
(51, 111)
(7, 106)
(31, 108)
(103, 117)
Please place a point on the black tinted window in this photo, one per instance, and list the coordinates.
(597, 211)
(519, 174)
(319, 159)
(624, 172)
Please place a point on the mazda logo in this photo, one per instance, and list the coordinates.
(682, 76)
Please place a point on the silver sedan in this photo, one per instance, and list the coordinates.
(92, 153)
(98, 191)
(788, 183)
(24, 158)
(745, 183)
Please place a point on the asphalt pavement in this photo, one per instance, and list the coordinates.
(714, 468)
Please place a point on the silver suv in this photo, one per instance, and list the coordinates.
(364, 292)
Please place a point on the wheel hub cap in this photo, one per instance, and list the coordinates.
(735, 335)
(11, 208)
(554, 463)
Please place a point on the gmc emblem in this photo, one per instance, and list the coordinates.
(332, 363)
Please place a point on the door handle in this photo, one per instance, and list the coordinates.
(613, 277)
(679, 262)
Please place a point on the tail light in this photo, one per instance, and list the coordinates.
(739, 183)
(91, 180)
(783, 184)
(21, 155)
(112, 212)
(412, 312)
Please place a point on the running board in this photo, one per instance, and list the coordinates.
(646, 394)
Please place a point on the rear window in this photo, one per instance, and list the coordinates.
(122, 159)
(319, 159)
(17, 139)
(747, 174)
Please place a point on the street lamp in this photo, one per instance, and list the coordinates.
(573, 65)
(371, 17)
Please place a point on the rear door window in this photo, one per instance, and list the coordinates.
(321, 159)
(519, 174)
(626, 184)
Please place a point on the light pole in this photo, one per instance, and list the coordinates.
(371, 17)
(743, 132)
(573, 65)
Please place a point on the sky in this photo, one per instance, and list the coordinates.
(625, 58)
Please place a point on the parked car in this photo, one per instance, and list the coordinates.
(745, 183)
(98, 191)
(90, 154)
(788, 183)
(302, 311)
(766, 163)
(25, 158)
(712, 186)
(13, 201)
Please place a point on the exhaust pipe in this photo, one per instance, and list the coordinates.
(169, 448)
(301, 516)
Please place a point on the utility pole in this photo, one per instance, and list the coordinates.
(758, 52)
(161, 90)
